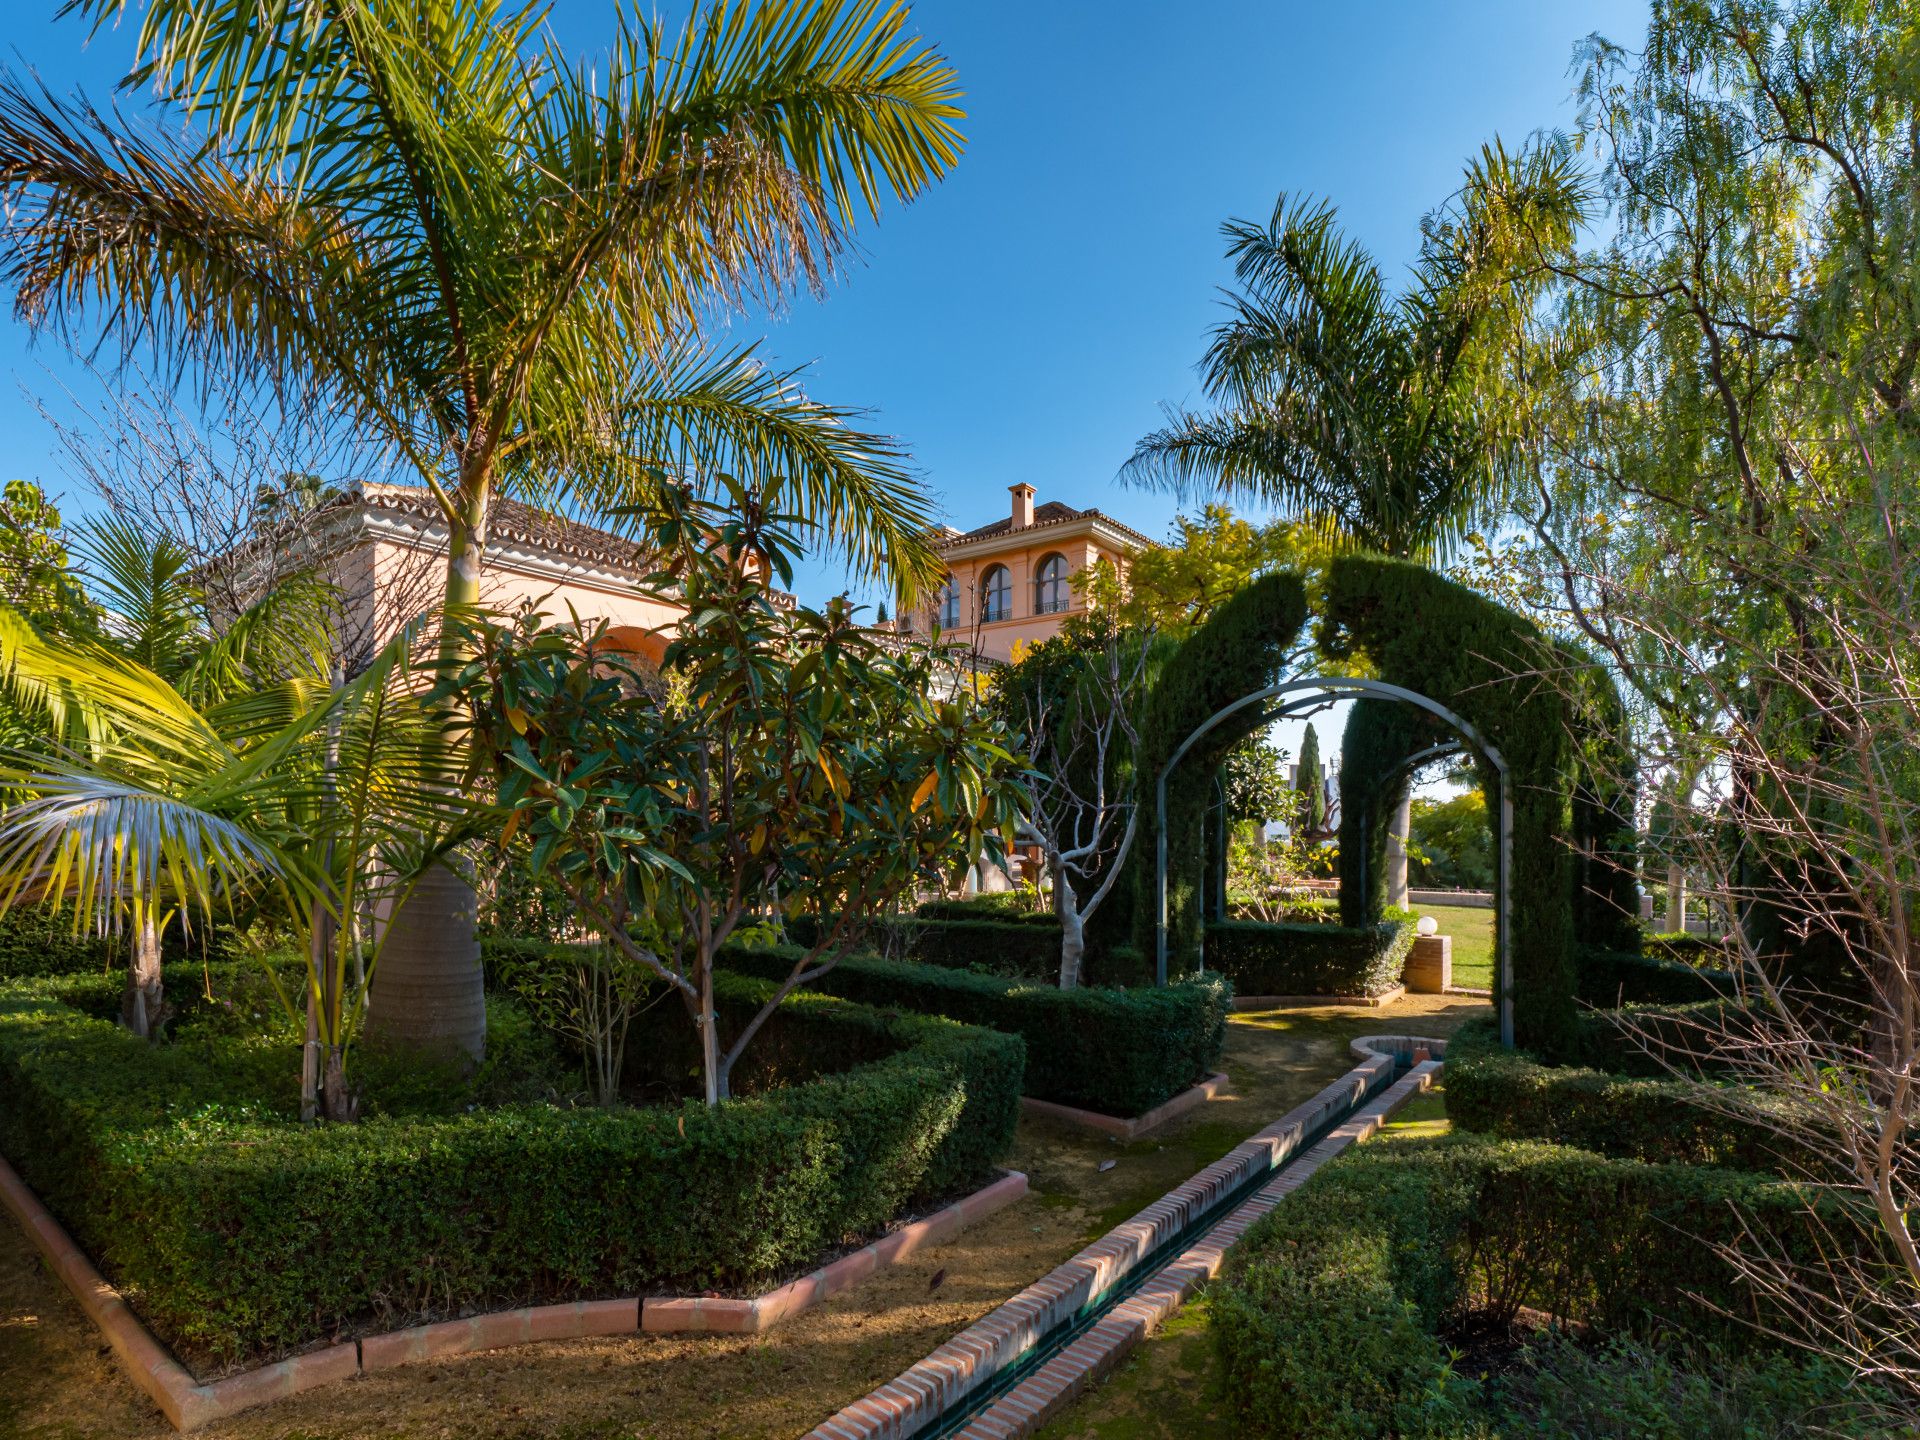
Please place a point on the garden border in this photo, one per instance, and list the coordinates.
(189, 1404)
(1119, 1127)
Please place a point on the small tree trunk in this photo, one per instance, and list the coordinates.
(341, 1105)
(1676, 897)
(712, 1062)
(1397, 849)
(1073, 940)
(143, 1004)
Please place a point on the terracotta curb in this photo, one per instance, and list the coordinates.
(748, 1317)
(1123, 1129)
(189, 1404)
(972, 1357)
(1303, 1002)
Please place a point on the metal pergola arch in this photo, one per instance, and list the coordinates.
(1335, 687)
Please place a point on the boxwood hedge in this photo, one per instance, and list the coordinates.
(241, 1233)
(1309, 959)
(1330, 1319)
(1120, 1052)
(1611, 978)
(1514, 1094)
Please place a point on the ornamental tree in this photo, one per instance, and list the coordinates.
(780, 762)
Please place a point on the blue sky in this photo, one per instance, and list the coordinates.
(1027, 319)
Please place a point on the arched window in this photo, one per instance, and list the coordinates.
(946, 606)
(1050, 591)
(996, 594)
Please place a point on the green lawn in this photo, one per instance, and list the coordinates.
(1472, 932)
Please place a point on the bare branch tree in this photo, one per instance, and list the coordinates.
(1085, 802)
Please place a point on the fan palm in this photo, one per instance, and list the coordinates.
(1372, 414)
(330, 799)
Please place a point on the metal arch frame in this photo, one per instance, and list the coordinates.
(1338, 686)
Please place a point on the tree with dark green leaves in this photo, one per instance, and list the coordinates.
(1310, 780)
(783, 762)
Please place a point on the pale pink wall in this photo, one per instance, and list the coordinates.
(1022, 556)
(405, 578)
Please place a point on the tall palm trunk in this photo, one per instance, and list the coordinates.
(428, 990)
(1397, 836)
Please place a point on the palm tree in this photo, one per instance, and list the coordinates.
(495, 259)
(1374, 416)
(327, 799)
(1371, 414)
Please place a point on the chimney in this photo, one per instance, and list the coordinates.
(1022, 505)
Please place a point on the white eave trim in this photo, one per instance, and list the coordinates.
(1094, 525)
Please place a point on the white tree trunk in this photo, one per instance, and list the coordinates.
(1676, 897)
(1073, 942)
(1397, 849)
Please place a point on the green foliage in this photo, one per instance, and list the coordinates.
(1309, 958)
(1452, 846)
(569, 256)
(1119, 1052)
(1431, 635)
(1624, 1390)
(1516, 1095)
(782, 758)
(1331, 1319)
(1242, 648)
(1203, 563)
(1310, 779)
(257, 1235)
(1255, 776)
(1020, 906)
(1611, 978)
(34, 941)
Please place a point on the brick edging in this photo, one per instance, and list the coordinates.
(189, 1404)
(1306, 1002)
(971, 1358)
(749, 1317)
(1124, 1129)
(1076, 1369)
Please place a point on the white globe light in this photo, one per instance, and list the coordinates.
(1428, 925)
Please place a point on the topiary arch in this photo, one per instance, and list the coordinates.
(1573, 875)
(1570, 875)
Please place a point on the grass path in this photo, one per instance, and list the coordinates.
(61, 1384)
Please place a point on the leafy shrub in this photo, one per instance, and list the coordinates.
(1120, 1052)
(176, 1168)
(1610, 978)
(1017, 946)
(1017, 906)
(1331, 1316)
(1689, 949)
(1627, 1391)
(1513, 1094)
(1309, 959)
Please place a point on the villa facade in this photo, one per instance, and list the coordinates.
(1011, 581)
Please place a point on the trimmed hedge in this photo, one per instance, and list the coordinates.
(37, 942)
(242, 1234)
(1006, 908)
(1017, 947)
(1611, 978)
(1120, 1052)
(1309, 959)
(1330, 1318)
(1515, 1095)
